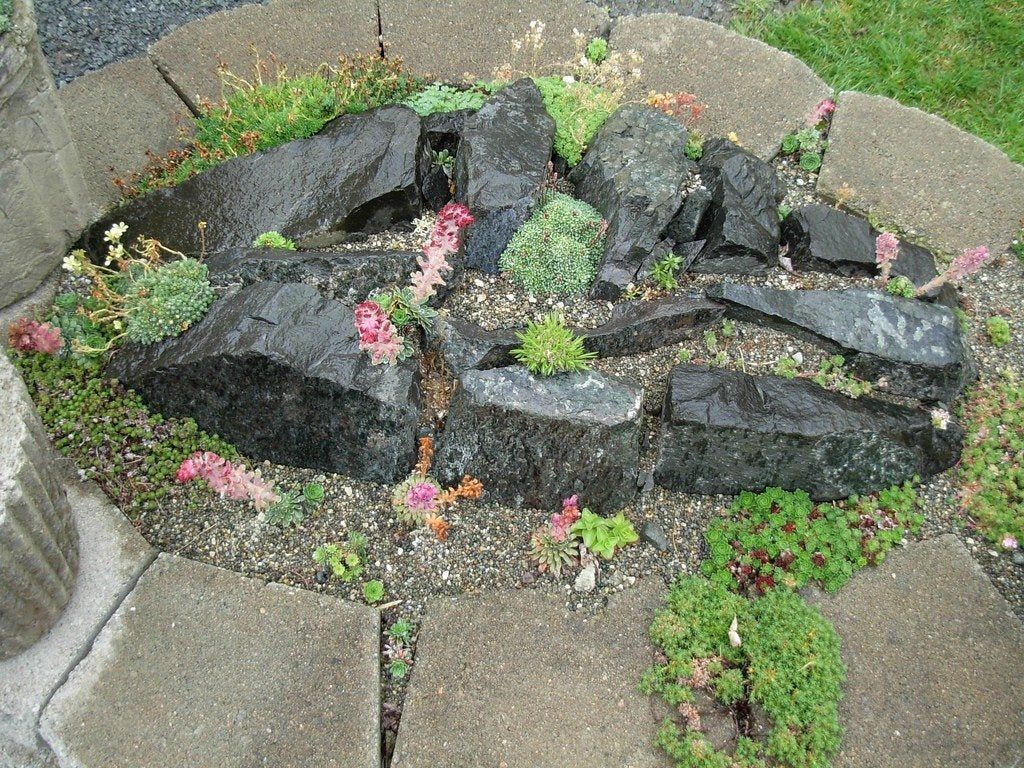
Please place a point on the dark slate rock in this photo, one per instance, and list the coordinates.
(500, 168)
(464, 345)
(915, 346)
(276, 370)
(654, 535)
(360, 173)
(635, 174)
(684, 225)
(823, 239)
(444, 129)
(535, 441)
(349, 276)
(437, 188)
(640, 326)
(741, 227)
(726, 431)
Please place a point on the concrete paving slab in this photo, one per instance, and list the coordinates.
(514, 679)
(112, 555)
(453, 40)
(748, 88)
(935, 663)
(301, 34)
(118, 114)
(203, 667)
(921, 173)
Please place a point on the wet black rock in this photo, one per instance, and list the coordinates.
(635, 174)
(823, 239)
(444, 129)
(726, 431)
(535, 441)
(437, 188)
(741, 226)
(654, 535)
(684, 225)
(500, 168)
(916, 347)
(640, 326)
(464, 345)
(276, 370)
(349, 276)
(361, 173)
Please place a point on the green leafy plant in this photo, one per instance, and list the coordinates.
(808, 144)
(962, 320)
(286, 512)
(604, 535)
(728, 328)
(664, 271)
(398, 648)
(901, 286)
(579, 110)
(81, 334)
(558, 249)
(597, 50)
(548, 347)
(343, 561)
(787, 368)
(444, 159)
(694, 148)
(5, 15)
(312, 495)
(831, 375)
(998, 331)
(274, 240)
(373, 591)
(438, 97)
(109, 433)
(721, 652)
(991, 469)
(270, 109)
(781, 538)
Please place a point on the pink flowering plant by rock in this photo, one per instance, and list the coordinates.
(232, 481)
(809, 144)
(381, 318)
(26, 335)
(887, 250)
(419, 500)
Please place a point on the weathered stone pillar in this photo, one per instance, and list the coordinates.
(43, 198)
(38, 539)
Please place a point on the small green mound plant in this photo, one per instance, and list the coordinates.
(344, 560)
(398, 649)
(373, 591)
(438, 97)
(901, 286)
(991, 469)
(548, 347)
(579, 110)
(287, 511)
(557, 251)
(604, 535)
(831, 375)
(998, 331)
(694, 148)
(274, 240)
(719, 652)
(808, 145)
(597, 50)
(664, 271)
(781, 538)
(109, 433)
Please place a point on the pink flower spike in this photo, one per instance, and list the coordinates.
(886, 248)
(231, 481)
(377, 334)
(824, 108)
(968, 262)
(26, 335)
(1009, 541)
(457, 213)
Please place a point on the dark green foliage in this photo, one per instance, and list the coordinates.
(664, 271)
(787, 662)
(444, 98)
(781, 538)
(558, 249)
(548, 347)
(5, 15)
(70, 315)
(133, 454)
(900, 286)
(287, 511)
(579, 110)
(991, 469)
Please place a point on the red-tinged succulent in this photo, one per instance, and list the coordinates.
(26, 335)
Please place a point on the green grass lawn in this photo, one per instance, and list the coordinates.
(961, 59)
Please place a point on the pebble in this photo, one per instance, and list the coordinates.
(586, 581)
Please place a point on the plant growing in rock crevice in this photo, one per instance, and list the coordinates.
(548, 347)
(998, 331)
(809, 143)
(887, 249)
(399, 648)
(274, 240)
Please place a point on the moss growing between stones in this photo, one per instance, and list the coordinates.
(109, 433)
(578, 109)
(771, 665)
(558, 250)
(5, 15)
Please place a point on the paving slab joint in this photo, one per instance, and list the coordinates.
(178, 91)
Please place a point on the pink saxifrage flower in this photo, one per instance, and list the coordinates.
(377, 334)
(230, 481)
(422, 497)
(887, 250)
(26, 335)
(443, 241)
(968, 262)
(822, 110)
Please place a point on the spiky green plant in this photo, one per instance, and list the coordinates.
(274, 240)
(548, 347)
(553, 550)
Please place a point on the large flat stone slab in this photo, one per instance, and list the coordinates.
(921, 173)
(514, 679)
(934, 662)
(204, 667)
(112, 555)
(118, 114)
(450, 40)
(752, 89)
(301, 34)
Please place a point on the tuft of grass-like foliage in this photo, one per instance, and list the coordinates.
(579, 110)
(109, 433)
(960, 59)
(558, 249)
(548, 347)
(274, 240)
(719, 651)
(991, 469)
(781, 538)
(271, 110)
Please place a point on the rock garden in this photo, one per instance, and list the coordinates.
(397, 341)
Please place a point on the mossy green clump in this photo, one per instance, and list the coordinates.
(164, 302)
(558, 249)
(274, 239)
(438, 97)
(991, 469)
(579, 110)
(786, 661)
(260, 114)
(998, 331)
(597, 50)
(5, 15)
(782, 539)
(109, 433)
